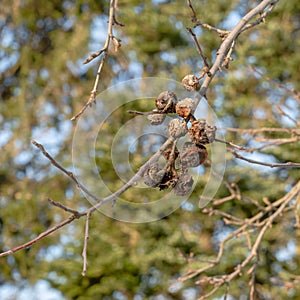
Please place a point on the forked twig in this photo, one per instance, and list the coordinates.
(104, 51)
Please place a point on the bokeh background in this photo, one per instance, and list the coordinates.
(43, 83)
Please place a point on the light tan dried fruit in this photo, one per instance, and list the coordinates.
(185, 107)
(191, 83)
(177, 128)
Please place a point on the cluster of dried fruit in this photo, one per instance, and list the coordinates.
(193, 152)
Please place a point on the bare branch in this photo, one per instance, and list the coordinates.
(241, 148)
(230, 38)
(86, 237)
(194, 17)
(70, 210)
(246, 223)
(279, 165)
(295, 93)
(254, 131)
(267, 217)
(204, 58)
(76, 214)
(68, 173)
(40, 236)
(104, 51)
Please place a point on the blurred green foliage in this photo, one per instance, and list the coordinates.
(43, 83)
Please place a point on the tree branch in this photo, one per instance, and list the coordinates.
(263, 220)
(104, 51)
(278, 165)
(227, 43)
(86, 237)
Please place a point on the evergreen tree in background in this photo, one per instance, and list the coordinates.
(43, 83)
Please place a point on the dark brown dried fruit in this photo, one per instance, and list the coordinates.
(177, 128)
(185, 107)
(154, 175)
(202, 133)
(169, 180)
(192, 155)
(156, 119)
(183, 185)
(166, 101)
(191, 83)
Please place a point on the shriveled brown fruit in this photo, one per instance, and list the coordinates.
(202, 133)
(177, 128)
(192, 155)
(166, 101)
(191, 83)
(168, 152)
(185, 107)
(169, 180)
(154, 175)
(183, 185)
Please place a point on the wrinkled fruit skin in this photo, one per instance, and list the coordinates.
(166, 102)
(191, 83)
(177, 128)
(185, 107)
(168, 152)
(154, 176)
(157, 177)
(183, 185)
(192, 155)
(169, 180)
(156, 119)
(202, 133)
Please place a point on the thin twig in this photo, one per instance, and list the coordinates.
(194, 17)
(228, 57)
(274, 208)
(227, 43)
(241, 148)
(104, 51)
(86, 237)
(41, 236)
(61, 206)
(68, 173)
(262, 18)
(144, 113)
(219, 281)
(254, 131)
(76, 214)
(271, 165)
(295, 93)
(252, 271)
(114, 14)
(199, 49)
(283, 113)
